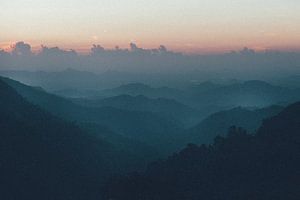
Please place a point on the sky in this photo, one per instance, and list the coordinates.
(193, 26)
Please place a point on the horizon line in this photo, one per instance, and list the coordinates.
(85, 49)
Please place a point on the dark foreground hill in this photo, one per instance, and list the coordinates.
(43, 157)
(241, 166)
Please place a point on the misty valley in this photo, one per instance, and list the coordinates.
(210, 139)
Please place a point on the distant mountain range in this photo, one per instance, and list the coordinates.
(84, 84)
(168, 108)
(51, 81)
(136, 89)
(209, 97)
(248, 94)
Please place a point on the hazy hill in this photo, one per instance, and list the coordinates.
(67, 80)
(136, 89)
(252, 93)
(168, 108)
(218, 123)
(202, 87)
(290, 81)
(76, 83)
(209, 97)
(84, 84)
(241, 166)
(248, 94)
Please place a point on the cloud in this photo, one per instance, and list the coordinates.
(245, 62)
(55, 51)
(97, 49)
(21, 49)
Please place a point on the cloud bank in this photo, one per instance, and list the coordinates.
(160, 60)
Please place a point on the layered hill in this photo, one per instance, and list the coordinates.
(167, 108)
(218, 123)
(146, 127)
(240, 166)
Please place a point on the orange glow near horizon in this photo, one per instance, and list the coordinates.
(186, 48)
(194, 26)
